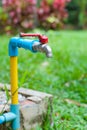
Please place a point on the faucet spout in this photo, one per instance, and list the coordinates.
(37, 46)
(47, 50)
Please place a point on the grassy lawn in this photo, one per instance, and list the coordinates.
(64, 76)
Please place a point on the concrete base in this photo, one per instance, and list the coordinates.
(33, 107)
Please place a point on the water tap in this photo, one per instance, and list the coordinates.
(41, 45)
(37, 46)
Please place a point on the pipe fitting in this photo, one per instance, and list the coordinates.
(6, 117)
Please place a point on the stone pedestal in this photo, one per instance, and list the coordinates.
(34, 107)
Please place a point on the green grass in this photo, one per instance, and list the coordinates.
(64, 76)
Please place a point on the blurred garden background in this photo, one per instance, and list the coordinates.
(65, 74)
(46, 14)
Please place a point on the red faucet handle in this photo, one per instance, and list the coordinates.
(43, 39)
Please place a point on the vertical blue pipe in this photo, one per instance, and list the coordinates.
(14, 108)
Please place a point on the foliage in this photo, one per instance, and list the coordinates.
(3, 19)
(49, 14)
(64, 75)
(78, 13)
(52, 13)
(8, 97)
(26, 15)
(20, 13)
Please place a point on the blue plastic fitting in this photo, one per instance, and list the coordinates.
(14, 108)
(16, 42)
(13, 116)
(6, 117)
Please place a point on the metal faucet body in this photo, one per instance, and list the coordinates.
(45, 48)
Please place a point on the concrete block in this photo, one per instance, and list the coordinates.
(33, 106)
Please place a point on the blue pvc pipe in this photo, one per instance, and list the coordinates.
(6, 117)
(14, 108)
(16, 42)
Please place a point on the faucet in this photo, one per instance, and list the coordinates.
(37, 46)
(40, 45)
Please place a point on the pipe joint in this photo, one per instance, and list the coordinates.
(6, 117)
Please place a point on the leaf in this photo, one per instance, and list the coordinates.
(23, 78)
(7, 93)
